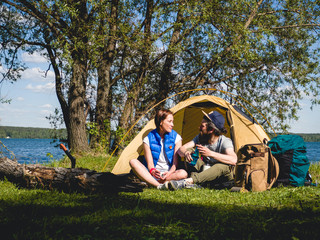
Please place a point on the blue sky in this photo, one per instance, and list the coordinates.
(33, 98)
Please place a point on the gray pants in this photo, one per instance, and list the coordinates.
(218, 172)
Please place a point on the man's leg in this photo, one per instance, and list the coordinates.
(214, 172)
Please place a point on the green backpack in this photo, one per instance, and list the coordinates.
(290, 152)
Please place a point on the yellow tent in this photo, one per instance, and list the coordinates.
(187, 118)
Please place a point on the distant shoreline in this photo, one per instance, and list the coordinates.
(46, 133)
(30, 132)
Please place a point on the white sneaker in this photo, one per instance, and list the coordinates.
(163, 186)
(177, 184)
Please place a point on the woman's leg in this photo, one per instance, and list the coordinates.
(177, 175)
(142, 172)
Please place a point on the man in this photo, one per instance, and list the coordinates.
(217, 154)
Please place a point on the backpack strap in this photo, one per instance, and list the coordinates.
(274, 169)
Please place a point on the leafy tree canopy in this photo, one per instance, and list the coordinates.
(115, 59)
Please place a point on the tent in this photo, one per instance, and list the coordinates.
(187, 118)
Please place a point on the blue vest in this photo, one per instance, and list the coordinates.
(155, 145)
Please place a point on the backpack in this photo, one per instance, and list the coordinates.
(290, 151)
(256, 169)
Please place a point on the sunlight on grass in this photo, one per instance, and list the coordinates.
(154, 214)
(96, 162)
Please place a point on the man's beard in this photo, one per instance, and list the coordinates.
(204, 138)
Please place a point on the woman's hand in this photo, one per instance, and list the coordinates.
(164, 176)
(155, 173)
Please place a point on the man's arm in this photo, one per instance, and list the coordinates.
(183, 151)
(229, 157)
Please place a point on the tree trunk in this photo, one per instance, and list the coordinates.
(166, 73)
(77, 134)
(128, 113)
(102, 110)
(103, 113)
(67, 179)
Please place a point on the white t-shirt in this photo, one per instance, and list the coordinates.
(162, 164)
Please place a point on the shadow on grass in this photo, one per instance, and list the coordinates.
(53, 215)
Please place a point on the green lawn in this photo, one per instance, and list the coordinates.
(282, 213)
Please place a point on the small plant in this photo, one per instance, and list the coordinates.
(99, 136)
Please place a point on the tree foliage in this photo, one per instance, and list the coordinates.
(115, 59)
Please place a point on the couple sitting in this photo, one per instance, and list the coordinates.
(163, 144)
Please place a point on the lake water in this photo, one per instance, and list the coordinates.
(32, 150)
(313, 151)
(36, 150)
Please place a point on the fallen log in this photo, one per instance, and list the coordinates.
(67, 179)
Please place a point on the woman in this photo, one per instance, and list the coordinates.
(160, 153)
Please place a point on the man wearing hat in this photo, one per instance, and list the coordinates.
(216, 150)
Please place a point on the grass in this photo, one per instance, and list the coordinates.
(281, 213)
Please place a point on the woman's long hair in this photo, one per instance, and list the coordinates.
(161, 115)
